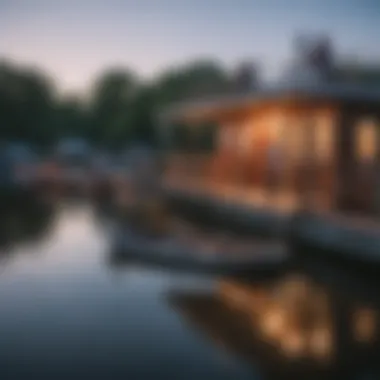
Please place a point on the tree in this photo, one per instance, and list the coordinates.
(121, 109)
(111, 107)
(71, 118)
(26, 105)
(200, 78)
(143, 109)
(190, 82)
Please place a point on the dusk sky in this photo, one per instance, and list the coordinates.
(74, 40)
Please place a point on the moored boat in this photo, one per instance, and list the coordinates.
(185, 247)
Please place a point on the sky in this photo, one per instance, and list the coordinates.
(75, 40)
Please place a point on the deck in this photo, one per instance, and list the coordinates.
(266, 211)
(279, 200)
(353, 237)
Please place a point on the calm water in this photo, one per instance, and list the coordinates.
(68, 312)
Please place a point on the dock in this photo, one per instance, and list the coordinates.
(227, 207)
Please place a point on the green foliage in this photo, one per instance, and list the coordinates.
(198, 79)
(120, 110)
(26, 105)
(70, 119)
(110, 108)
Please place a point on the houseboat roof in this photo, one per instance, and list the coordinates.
(342, 92)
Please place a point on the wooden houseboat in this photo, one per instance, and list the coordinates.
(286, 148)
(318, 144)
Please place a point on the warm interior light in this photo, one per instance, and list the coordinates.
(364, 325)
(273, 323)
(246, 137)
(366, 139)
(321, 342)
(293, 344)
(277, 125)
(324, 135)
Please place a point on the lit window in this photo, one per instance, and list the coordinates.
(295, 141)
(277, 125)
(321, 342)
(246, 137)
(226, 136)
(365, 140)
(324, 138)
(364, 325)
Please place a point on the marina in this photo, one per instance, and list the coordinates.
(189, 190)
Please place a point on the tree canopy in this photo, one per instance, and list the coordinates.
(119, 110)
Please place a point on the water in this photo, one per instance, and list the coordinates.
(68, 312)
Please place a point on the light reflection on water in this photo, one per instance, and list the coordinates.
(66, 312)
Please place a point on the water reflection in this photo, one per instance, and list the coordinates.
(290, 326)
(24, 219)
(65, 312)
(66, 315)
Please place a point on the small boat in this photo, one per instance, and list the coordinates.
(190, 249)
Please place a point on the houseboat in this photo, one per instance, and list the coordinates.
(307, 145)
